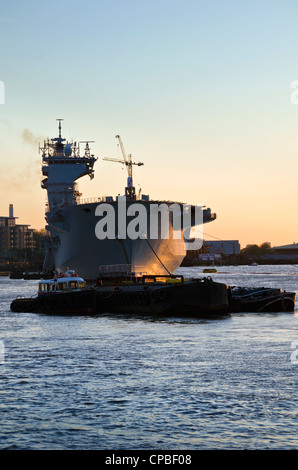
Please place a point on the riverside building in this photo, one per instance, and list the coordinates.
(13, 235)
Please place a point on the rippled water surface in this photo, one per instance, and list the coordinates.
(120, 382)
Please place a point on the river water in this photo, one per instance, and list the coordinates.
(121, 382)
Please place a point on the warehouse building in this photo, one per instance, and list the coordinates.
(222, 247)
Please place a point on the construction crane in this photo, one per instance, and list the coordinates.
(130, 191)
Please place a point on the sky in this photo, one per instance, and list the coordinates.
(200, 92)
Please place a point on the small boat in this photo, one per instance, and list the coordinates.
(19, 274)
(261, 299)
(36, 275)
(65, 294)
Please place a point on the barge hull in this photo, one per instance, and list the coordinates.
(197, 298)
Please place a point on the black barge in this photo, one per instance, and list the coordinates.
(261, 299)
(164, 295)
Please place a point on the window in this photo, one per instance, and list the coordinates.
(44, 287)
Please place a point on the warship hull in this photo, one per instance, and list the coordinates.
(74, 244)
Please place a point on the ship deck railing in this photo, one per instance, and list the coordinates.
(110, 270)
(129, 272)
(90, 200)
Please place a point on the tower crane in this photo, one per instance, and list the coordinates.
(130, 191)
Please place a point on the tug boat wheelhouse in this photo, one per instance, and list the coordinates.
(67, 282)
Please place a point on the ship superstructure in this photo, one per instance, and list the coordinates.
(63, 166)
(72, 242)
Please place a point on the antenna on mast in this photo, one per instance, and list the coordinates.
(60, 136)
(87, 148)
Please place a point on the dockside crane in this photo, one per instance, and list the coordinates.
(130, 191)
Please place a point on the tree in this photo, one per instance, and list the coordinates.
(39, 234)
(265, 246)
(257, 250)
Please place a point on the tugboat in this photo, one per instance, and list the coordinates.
(65, 294)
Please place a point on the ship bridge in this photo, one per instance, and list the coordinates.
(62, 167)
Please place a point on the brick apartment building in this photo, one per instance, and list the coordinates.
(14, 236)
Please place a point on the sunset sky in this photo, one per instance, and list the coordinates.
(199, 91)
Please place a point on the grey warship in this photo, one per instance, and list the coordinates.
(71, 241)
